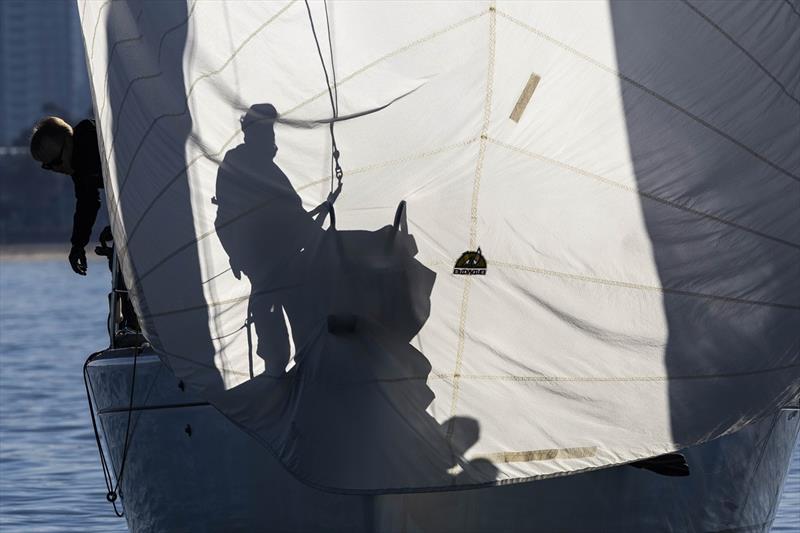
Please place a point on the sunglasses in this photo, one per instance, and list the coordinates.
(55, 163)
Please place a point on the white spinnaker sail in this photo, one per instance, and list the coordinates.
(639, 213)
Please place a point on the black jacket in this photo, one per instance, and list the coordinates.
(88, 180)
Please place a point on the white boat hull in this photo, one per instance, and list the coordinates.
(188, 468)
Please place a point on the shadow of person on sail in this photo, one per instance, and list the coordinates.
(350, 414)
(265, 231)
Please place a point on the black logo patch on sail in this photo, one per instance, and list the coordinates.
(471, 264)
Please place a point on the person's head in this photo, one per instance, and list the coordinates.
(258, 126)
(51, 144)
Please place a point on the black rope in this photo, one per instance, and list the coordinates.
(103, 463)
(333, 67)
(333, 94)
(112, 488)
(128, 424)
(335, 170)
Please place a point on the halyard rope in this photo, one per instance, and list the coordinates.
(333, 94)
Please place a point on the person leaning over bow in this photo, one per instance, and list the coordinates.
(73, 151)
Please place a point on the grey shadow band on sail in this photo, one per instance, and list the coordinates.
(663, 131)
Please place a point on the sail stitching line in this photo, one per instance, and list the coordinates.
(186, 104)
(111, 57)
(300, 188)
(128, 89)
(654, 94)
(205, 305)
(537, 379)
(487, 108)
(791, 6)
(440, 376)
(625, 284)
(639, 286)
(473, 232)
(741, 48)
(620, 379)
(368, 66)
(231, 220)
(145, 77)
(751, 478)
(644, 194)
(225, 369)
(413, 157)
(123, 250)
(96, 24)
(133, 81)
(197, 80)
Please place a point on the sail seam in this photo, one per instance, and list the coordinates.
(535, 379)
(440, 376)
(144, 77)
(194, 83)
(644, 194)
(429, 37)
(733, 41)
(462, 326)
(133, 81)
(261, 205)
(96, 24)
(224, 370)
(417, 42)
(791, 6)
(111, 57)
(231, 220)
(619, 379)
(652, 93)
(116, 125)
(473, 229)
(413, 157)
(639, 286)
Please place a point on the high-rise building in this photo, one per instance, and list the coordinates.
(42, 65)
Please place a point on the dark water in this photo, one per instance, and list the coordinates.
(50, 477)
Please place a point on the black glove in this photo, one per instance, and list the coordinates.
(77, 260)
(106, 235)
(104, 249)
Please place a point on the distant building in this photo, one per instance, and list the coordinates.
(42, 62)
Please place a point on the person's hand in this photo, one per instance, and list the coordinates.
(106, 235)
(77, 260)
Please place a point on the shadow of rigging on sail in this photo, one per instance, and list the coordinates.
(333, 314)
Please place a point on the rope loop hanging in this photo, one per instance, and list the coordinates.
(112, 487)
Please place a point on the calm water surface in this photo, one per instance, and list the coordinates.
(50, 477)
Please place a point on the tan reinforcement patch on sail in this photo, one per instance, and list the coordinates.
(525, 97)
(540, 455)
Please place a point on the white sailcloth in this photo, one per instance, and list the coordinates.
(629, 173)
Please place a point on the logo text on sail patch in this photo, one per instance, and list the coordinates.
(471, 264)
